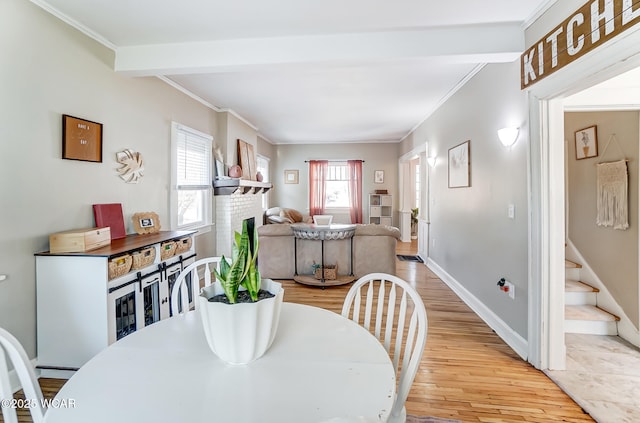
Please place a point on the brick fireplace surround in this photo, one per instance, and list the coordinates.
(231, 210)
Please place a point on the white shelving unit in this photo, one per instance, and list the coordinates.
(380, 209)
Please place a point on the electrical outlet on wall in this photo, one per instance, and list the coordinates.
(507, 287)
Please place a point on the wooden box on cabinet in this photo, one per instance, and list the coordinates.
(79, 240)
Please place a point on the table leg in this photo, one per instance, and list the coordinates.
(351, 256)
(295, 256)
(322, 260)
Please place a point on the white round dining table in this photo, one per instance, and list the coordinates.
(320, 366)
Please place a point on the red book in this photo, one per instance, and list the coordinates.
(110, 215)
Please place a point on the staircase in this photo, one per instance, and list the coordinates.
(581, 312)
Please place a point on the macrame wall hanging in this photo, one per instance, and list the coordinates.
(612, 193)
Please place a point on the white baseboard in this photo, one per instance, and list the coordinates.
(55, 374)
(504, 331)
(14, 381)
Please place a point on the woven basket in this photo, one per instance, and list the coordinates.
(120, 265)
(167, 249)
(182, 245)
(143, 258)
(330, 272)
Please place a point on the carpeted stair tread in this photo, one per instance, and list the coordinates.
(587, 312)
(577, 286)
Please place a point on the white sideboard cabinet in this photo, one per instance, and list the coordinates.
(380, 209)
(82, 307)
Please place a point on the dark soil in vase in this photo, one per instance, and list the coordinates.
(243, 297)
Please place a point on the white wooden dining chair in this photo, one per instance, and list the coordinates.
(180, 291)
(11, 349)
(392, 310)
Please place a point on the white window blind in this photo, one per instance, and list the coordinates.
(193, 161)
(191, 178)
(262, 165)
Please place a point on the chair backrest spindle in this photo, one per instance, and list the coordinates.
(11, 349)
(180, 292)
(401, 311)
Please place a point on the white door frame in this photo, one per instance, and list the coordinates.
(405, 178)
(546, 189)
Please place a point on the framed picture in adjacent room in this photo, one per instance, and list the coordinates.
(378, 177)
(460, 166)
(586, 143)
(81, 139)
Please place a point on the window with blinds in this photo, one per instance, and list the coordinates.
(262, 166)
(192, 158)
(337, 185)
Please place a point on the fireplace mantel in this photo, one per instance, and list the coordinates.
(243, 186)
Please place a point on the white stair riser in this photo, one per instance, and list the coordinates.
(591, 327)
(580, 298)
(572, 273)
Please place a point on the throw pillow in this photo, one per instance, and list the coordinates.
(273, 211)
(278, 219)
(291, 214)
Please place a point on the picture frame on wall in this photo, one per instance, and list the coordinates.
(291, 176)
(460, 165)
(586, 142)
(378, 177)
(81, 139)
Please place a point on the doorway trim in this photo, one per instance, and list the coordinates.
(406, 184)
(546, 189)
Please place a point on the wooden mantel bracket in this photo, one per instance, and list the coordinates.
(244, 186)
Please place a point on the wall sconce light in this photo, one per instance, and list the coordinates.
(431, 161)
(508, 136)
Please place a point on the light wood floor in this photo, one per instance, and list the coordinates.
(467, 372)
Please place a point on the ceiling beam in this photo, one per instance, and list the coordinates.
(493, 43)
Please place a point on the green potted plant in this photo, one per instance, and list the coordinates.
(414, 223)
(240, 311)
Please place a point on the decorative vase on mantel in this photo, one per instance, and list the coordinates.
(243, 332)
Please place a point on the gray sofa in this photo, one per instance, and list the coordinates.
(374, 250)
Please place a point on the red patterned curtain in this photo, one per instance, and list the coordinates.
(317, 178)
(355, 190)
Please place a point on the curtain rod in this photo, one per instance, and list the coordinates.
(346, 160)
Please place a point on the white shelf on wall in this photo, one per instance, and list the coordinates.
(381, 209)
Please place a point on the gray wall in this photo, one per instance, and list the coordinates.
(377, 156)
(612, 254)
(50, 69)
(266, 149)
(471, 237)
(237, 129)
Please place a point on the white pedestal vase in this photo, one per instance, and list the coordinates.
(241, 333)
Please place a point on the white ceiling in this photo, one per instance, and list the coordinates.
(304, 71)
(619, 93)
